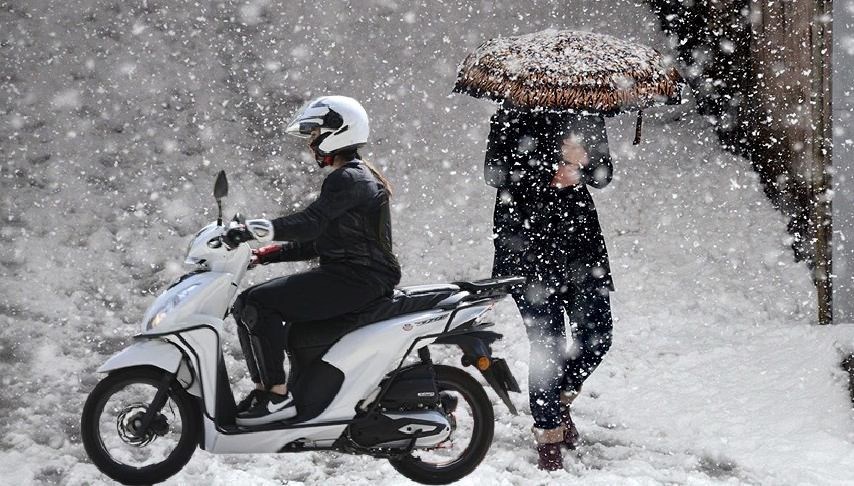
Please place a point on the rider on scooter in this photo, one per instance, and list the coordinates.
(348, 227)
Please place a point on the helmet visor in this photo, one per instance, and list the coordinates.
(310, 116)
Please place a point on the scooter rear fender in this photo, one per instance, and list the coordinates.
(476, 343)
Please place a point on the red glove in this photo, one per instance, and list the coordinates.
(264, 255)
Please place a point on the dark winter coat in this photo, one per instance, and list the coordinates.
(348, 224)
(549, 235)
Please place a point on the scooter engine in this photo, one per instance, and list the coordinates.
(410, 409)
(397, 430)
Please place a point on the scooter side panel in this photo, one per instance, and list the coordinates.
(202, 344)
(466, 314)
(153, 352)
(369, 353)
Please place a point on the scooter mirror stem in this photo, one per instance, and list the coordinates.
(219, 214)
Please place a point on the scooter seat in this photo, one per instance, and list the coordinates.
(404, 301)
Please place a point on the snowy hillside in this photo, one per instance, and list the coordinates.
(115, 117)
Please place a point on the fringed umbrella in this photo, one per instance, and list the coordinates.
(566, 70)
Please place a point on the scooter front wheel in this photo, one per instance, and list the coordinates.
(473, 423)
(113, 433)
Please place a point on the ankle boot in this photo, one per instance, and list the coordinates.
(549, 455)
(570, 434)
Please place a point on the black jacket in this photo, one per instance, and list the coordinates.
(348, 224)
(549, 235)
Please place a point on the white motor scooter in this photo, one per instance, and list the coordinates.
(363, 383)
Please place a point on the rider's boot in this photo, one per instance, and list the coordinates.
(268, 407)
(549, 454)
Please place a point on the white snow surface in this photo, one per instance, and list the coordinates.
(115, 117)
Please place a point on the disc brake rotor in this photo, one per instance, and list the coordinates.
(129, 420)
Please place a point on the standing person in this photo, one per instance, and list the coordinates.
(348, 227)
(547, 230)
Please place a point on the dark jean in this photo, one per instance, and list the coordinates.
(554, 368)
(320, 293)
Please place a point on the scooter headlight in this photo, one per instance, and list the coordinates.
(168, 306)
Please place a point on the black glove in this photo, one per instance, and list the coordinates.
(237, 235)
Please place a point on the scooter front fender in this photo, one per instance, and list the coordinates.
(150, 352)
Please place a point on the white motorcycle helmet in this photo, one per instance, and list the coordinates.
(343, 124)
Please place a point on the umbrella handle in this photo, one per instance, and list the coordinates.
(638, 128)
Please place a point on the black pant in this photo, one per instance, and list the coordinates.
(553, 366)
(320, 293)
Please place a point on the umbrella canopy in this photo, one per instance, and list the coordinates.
(566, 70)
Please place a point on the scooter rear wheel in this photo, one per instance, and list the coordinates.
(121, 452)
(426, 468)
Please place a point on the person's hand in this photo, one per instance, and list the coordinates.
(264, 255)
(261, 229)
(566, 175)
(573, 152)
(574, 159)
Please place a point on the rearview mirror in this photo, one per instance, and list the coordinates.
(220, 191)
(220, 186)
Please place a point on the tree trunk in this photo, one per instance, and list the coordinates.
(761, 70)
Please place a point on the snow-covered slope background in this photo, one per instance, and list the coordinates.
(116, 115)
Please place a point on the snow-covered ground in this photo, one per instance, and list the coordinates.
(115, 116)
